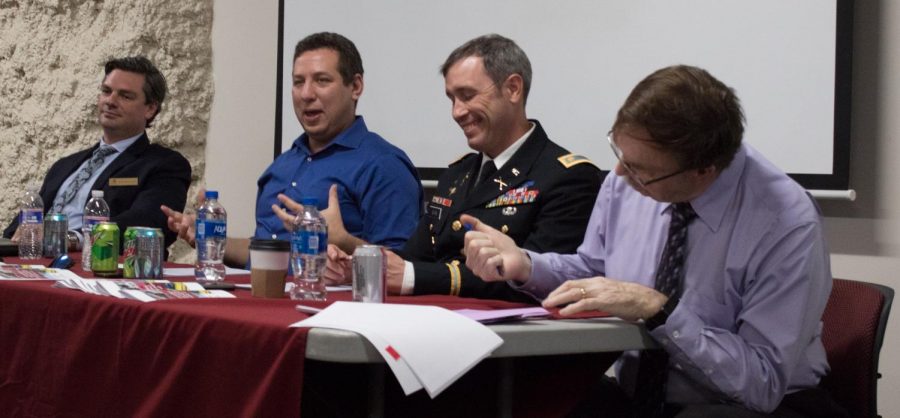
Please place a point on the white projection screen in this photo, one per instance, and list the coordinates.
(788, 60)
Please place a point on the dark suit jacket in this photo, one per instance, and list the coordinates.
(544, 204)
(134, 185)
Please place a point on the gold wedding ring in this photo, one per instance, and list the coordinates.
(583, 292)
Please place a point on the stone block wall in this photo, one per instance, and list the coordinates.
(51, 66)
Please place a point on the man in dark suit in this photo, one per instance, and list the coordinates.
(135, 175)
(518, 180)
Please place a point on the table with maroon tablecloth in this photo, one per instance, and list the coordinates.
(69, 353)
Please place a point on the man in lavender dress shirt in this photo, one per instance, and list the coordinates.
(744, 334)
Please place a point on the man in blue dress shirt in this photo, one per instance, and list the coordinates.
(743, 330)
(337, 160)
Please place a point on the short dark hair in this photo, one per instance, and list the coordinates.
(349, 61)
(154, 82)
(501, 56)
(687, 112)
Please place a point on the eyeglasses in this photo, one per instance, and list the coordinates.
(633, 174)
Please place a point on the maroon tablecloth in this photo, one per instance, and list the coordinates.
(69, 353)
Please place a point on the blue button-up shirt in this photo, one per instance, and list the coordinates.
(378, 186)
(757, 276)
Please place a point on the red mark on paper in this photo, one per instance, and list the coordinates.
(393, 352)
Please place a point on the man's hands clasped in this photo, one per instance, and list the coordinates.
(493, 256)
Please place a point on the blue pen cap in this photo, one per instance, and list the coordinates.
(309, 201)
(212, 194)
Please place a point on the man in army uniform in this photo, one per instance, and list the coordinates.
(519, 181)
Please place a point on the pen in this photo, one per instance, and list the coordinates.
(308, 309)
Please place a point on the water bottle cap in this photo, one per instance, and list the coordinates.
(96, 193)
(309, 201)
(212, 194)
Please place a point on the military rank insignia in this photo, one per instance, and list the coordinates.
(571, 160)
(518, 196)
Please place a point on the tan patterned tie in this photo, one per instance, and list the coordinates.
(63, 199)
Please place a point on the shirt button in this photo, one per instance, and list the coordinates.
(274, 236)
(678, 366)
(708, 371)
(309, 159)
(676, 334)
(293, 184)
(665, 342)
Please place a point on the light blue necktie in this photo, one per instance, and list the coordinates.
(62, 199)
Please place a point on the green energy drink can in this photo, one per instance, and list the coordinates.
(105, 249)
(128, 250)
(143, 251)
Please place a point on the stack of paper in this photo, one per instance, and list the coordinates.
(425, 346)
(33, 272)
(142, 290)
(503, 315)
(189, 271)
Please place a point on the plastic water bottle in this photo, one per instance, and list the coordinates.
(31, 224)
(211, 228)
(309, 244)
(95, 211)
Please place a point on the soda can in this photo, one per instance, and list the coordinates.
(143, 253)
(128, 250)
(148, 255)
(56, 226)
(105, 249)
(369, 273)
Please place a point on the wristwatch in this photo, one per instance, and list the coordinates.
(72, 241)
(663, 315)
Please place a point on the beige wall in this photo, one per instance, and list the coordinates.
(51, 57)
(242, 126)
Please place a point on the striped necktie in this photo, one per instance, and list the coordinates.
(82, 176)
(653, 369)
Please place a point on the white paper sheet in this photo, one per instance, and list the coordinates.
(144, 291)
(438, 345)
(189, 271)
(288, 286)
(32, 272)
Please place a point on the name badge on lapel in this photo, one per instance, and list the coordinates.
(123, 181)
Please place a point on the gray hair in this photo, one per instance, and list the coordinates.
(501, 56)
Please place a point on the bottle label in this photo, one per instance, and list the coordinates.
(323, 242)
(210, 228)
(308, 242)
(32, 216)
(91, 221)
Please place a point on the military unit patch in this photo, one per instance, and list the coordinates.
(570, 160)
(517, 196)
